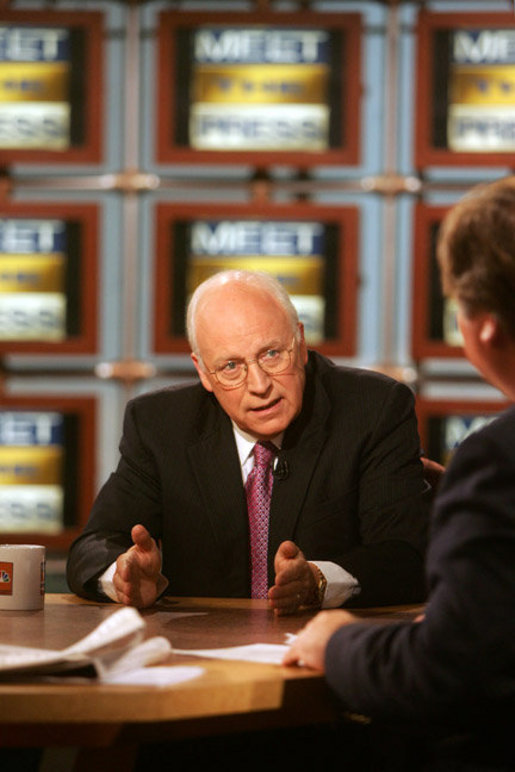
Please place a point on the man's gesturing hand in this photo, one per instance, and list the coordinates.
(138, 570)
(295, 583)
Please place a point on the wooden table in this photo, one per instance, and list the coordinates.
(229, 695)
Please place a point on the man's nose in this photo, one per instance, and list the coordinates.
(257, 379)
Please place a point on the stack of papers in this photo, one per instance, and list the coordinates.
(115, 646)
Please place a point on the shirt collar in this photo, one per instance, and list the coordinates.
(245, 442)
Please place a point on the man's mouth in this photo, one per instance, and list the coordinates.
(262, 408)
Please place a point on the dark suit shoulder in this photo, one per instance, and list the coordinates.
(480, 471)
(495, 439)
(186, 409)
(500, 430)
(337, 378)
(184, 394)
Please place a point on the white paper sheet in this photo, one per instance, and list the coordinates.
(265, 653)
(155, 676)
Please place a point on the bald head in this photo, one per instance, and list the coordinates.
(229, 287)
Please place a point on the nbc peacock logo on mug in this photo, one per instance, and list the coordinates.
(6, 578)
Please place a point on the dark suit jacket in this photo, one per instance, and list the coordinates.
(457, 668)
(355, 493)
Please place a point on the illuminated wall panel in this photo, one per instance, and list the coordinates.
(47, 463)
(51, 86)
(465, 89)
(48, 278)
(264, 88)
(311, 250)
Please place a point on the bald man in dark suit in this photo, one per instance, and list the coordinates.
(348, 515)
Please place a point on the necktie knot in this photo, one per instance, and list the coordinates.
(264, 453)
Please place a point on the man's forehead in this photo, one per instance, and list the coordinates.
(234, 294)
(242, 311)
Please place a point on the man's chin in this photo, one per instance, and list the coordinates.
(265, 430)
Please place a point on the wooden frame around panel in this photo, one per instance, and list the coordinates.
(91, 22)
(424, 264)
(348, 100)
(345, 219)
(440, 408)
(85, 409)
(87, 215)
(426, 154)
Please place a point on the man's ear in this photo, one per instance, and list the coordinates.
(303, 349)
(206, 383)
(490, 331)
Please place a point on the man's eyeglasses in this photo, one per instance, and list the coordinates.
(233, 373)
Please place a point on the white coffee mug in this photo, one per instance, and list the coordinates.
(22, 576)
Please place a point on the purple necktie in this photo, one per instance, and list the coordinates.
(259, 492)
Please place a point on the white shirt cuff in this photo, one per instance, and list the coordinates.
(340, 584)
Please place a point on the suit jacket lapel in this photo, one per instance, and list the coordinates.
(215, 463)
(303, 443)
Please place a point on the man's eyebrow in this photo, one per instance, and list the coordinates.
(223, 360)
(275, 344)
(227, 358)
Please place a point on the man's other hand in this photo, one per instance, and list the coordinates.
(138, 570)
(295, 583)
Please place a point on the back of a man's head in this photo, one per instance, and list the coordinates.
(476, 251)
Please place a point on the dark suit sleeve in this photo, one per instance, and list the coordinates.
(393, 505)
(131, 495)
(458, 665)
